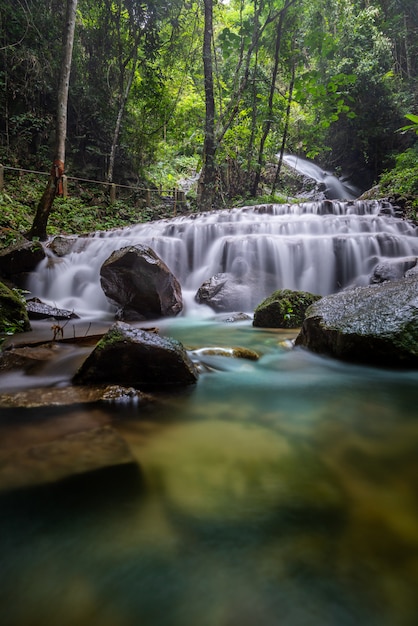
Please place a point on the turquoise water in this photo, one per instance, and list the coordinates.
(282, 491)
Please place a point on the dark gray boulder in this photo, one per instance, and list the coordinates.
(375, 325)
(283, 309)
(133, 357)
(141, 284)
(224, 292)
(18, 260)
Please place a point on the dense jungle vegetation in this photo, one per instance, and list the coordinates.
(160, 90)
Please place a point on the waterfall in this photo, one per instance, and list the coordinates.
(321, 247)
(334, 188)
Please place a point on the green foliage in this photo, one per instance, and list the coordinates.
(402, 180)
(414, 125)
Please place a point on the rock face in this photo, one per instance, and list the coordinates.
(283, 309)
(13, 315)
(375, 325)
(392, 270)
(139, 282)
(132, 357)
(17, 260)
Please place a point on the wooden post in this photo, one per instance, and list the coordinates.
(112, 193)
(1, 177)
(64, 186)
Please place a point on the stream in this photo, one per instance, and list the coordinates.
(277, 492)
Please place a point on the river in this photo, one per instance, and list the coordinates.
(274, 492)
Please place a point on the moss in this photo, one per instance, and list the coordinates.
(13, 314)
(283, 309)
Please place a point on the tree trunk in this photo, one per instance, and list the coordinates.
(285, 130)
(118, 124)
(269, 120)
(207, 176)
(54, 186)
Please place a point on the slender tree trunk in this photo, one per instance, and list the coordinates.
(54, 186)
(269, 119)
(118, 124)
(207, 176)
(285, 130)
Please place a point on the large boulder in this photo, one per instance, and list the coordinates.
(141, 284)
(375, 325)
(13, 314)
(283, 309)
(130, 356)
(18, 260)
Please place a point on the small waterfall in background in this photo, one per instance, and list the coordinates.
(334, 188)
(321, 247)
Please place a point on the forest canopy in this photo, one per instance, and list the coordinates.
(329, 79)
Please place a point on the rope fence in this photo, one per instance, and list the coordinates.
(176, 196)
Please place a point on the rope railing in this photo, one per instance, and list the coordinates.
(177, 195)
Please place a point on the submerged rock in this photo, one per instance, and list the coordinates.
(70, 396)
(283, 309)
(375, 325)
(141, 284)
(133, 357)
(73, 454)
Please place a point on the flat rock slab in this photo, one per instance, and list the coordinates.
(67, 396)
(73, 454)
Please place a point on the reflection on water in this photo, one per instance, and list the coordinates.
(278, 492)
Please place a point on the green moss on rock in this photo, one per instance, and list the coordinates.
(13, 314)
(283, 309)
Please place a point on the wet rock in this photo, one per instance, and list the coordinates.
(133, 357)
(392, 270)
(71, 396)
(233, 352)
(141, 284)
(223, 292)
(18, 260)
(61, 246)
(13, 314)
(38, 310)
(231, 318)
(375, 325)
(283, 309)
(73, 454)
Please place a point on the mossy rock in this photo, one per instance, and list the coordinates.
(13, 314)
(283, 309)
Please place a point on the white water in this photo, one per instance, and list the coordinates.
(334, 187)
(320, 247)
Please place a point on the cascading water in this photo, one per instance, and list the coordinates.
(320, 247)
(334, 188)
(275, 492)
